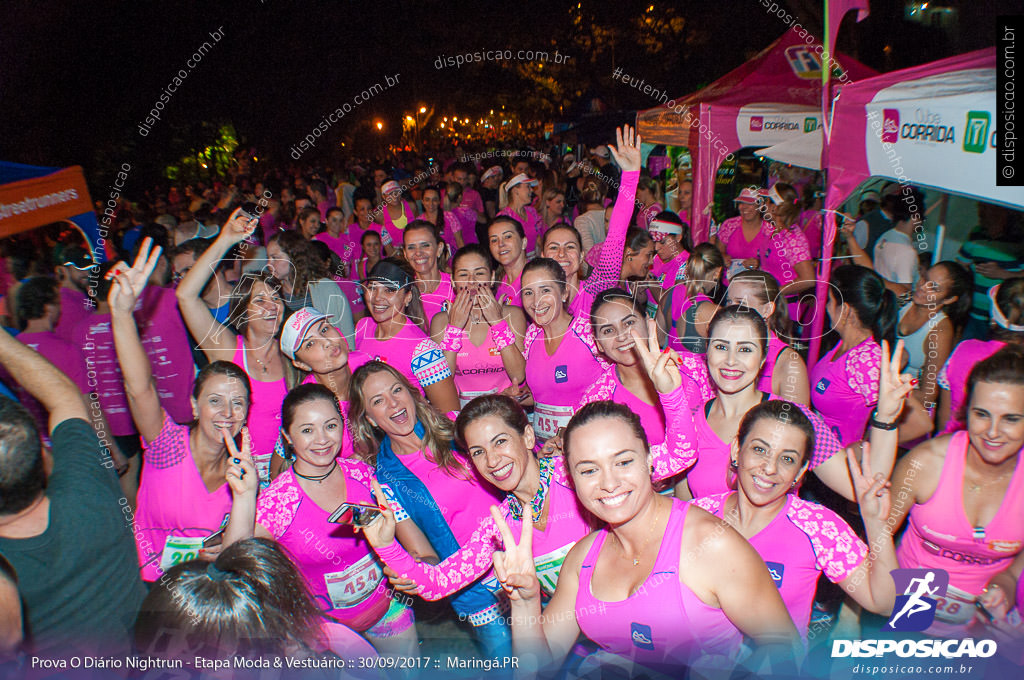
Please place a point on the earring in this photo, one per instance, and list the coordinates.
(734, 464)
(793, 485)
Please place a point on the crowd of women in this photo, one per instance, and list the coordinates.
(591, 437)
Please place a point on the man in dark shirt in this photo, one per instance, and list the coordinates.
(65, 525)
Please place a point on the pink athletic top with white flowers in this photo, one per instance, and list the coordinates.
(558, 379)
(782, 252)
(609, 265)
(939, 536)
(264, 412)
(844, 389)
(440, 299)
(479, 369)
(803, 540)
(953, 376)
(730, 233)
(711, 473)
(663, 625)
(533, 225)
(174, 503)
(410, 352)
(566, 522)
(775, 347)
(337, 563)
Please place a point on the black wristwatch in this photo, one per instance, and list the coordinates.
(876, 423)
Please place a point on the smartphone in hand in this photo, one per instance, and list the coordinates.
(355, 514)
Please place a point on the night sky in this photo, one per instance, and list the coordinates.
(77, 78)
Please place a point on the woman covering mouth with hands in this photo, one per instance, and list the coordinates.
(498, 439)
(664, 587)
(482, 339)
(183, 497)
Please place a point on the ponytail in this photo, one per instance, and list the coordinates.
(884, 327)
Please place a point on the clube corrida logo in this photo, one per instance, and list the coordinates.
(918, 593)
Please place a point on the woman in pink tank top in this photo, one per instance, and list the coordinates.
(798, 539)
(564, 245)
(422, 249)
(665, 587)
(617, 316)
(249, 339)
(498, 438)
(784, 372)
(968, 497)
(183, 496)
(344, 576)
(482, 339)
(507, 243)
(736, 353)
(395, 333)
(515, 198)
(562, 359)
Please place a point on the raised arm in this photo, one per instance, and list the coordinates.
(55, 391)
(139, 386)
(216, 341)
(627, 154)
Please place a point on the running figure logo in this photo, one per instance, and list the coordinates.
(915, 607)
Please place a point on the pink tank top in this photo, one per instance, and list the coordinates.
(609, 388)
(479, 369)
(558, 379)
(939, 536)
(264, 412)
(802, 541)
(953, 376)
(844, 390)
(662, 626)
(410, 352)
(337, 563)
(775, 347)
(440, 299)
(174, 502)
(730, 233)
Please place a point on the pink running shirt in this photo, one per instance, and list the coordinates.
(479, 370)
(95, 338)
(65, 356)
(844, 390)
(167, 345)
(410, 352)
(264, 420)
(953, 376)
(75, 307)
(174, 501)
(440, 299)
(730, 233)
(337, 563)
(802, 541)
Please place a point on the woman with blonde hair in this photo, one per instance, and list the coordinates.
(686, 308)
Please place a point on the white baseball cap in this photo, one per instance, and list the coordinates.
(521, 178)
(295, 328)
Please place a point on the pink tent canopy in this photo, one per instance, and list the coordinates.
(772, 98)
(932, 125)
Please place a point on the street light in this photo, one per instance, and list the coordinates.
(423, 109)
(380, 125)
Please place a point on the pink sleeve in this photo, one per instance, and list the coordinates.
(837, 549)
(726, 229)
(471, 562)
(863, 368)
(602, 390)
(606, 273)
(709, 503)
(169, 446)
(679, 451)
(795, 249)
(696, 380)
(277, 505)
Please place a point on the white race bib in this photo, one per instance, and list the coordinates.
(957, 607)
(548, 567)
(178, 549)
(548, 419)
(468, 396)
(350, 587)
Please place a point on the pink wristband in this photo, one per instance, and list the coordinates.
(502, 335)
(452, 339)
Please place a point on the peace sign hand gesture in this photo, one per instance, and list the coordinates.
(872, 493)
(893, 387)
(661, 367)
(129, 282)
(514, 566)
(626, 151)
